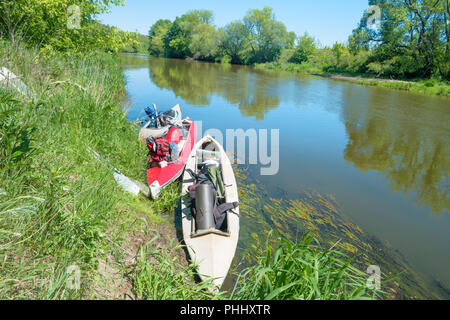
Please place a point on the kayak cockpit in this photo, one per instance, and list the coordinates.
(201, 233)
(211, 243)
(207, 198)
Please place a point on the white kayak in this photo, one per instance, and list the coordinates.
(212, 251)
(147, 131)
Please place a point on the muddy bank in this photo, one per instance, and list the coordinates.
(351, 78)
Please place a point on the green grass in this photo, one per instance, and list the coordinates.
(302, 270)
(293, 271)
(59, 206)
(428, 87)
(304, 68)
(160, 275)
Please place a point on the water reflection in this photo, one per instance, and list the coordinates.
(331, 134)
(197, 82)
(134, 61)
(401, 135)
(404, 137)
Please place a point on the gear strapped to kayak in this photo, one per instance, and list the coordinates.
(160, 119)
(168, 155)
(158, 149)
(162, 149)
(211, 246)
(207, 199)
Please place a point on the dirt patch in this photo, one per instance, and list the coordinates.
(164, 235)
(115, 285)
(350, 78)
(114, 279)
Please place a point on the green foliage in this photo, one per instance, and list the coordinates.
(204, 42)
(190, 27)
(266, 36)
(412, 40)
(140, 44)
(157, 33)
(176, 41)
(57, 203)
(257, 38)
(234, 41)
(306, 47)
(53, 26)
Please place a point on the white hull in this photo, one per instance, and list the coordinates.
(211, 253)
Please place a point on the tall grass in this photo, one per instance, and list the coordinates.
(56, 199)
(302, 270)
(60, 207)
(428, 87)
(160, 275)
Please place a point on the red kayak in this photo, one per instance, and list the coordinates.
(157, 177)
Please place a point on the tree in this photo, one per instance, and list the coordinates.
(156, 34)
(235, 41)
(179, 36)
(338, 50)
(204, 42)
(45, 23)
(176, 41)
(266, 36)
(257, 38)
(306, 47)
(412, 40)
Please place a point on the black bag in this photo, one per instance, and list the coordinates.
(220, 209)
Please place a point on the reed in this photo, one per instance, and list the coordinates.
(301, 270)
(160, 275)
(56, 200)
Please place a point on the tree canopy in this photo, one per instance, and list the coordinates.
(305, 48)
(412, 39)
(257, 38)
(64, 25)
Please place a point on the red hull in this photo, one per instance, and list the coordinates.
(173, 170)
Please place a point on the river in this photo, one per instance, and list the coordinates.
(380, 156)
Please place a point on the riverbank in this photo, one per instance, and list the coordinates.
(426, 86)
(62, 210)
(60, 207)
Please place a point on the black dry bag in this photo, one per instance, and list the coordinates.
(204, 207)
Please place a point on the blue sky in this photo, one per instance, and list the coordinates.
(327, 20)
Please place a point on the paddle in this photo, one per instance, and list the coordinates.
(158, 123)
(6, 76)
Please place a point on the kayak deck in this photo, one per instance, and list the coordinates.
(212, 251)
(173, 170)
